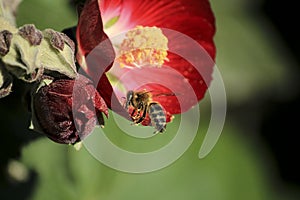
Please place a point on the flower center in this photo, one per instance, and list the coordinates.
(143, 46)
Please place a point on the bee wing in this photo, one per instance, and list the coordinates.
(155, 93)
(158, 93)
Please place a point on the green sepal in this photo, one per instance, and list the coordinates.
(60, 57)
(28, 61)
(23, 60)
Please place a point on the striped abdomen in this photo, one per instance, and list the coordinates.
(158, 117)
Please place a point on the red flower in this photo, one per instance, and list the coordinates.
(167, 48)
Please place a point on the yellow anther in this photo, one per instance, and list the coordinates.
(143, 46)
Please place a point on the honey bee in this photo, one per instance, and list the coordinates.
(142, 103)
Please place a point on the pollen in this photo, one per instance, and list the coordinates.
(143, 46)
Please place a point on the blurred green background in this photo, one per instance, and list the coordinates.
(255, 157)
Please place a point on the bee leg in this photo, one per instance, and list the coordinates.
(163, 129)
(143, 116)
(133, 112)
(134, 115)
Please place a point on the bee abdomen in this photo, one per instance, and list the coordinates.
(158, 117)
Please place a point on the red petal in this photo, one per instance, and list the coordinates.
(95, 52)
(91, 39)
(191, 17)
(90, 28)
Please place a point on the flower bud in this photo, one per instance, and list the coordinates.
(67, 110)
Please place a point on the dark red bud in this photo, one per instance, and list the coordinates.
(68, 110)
